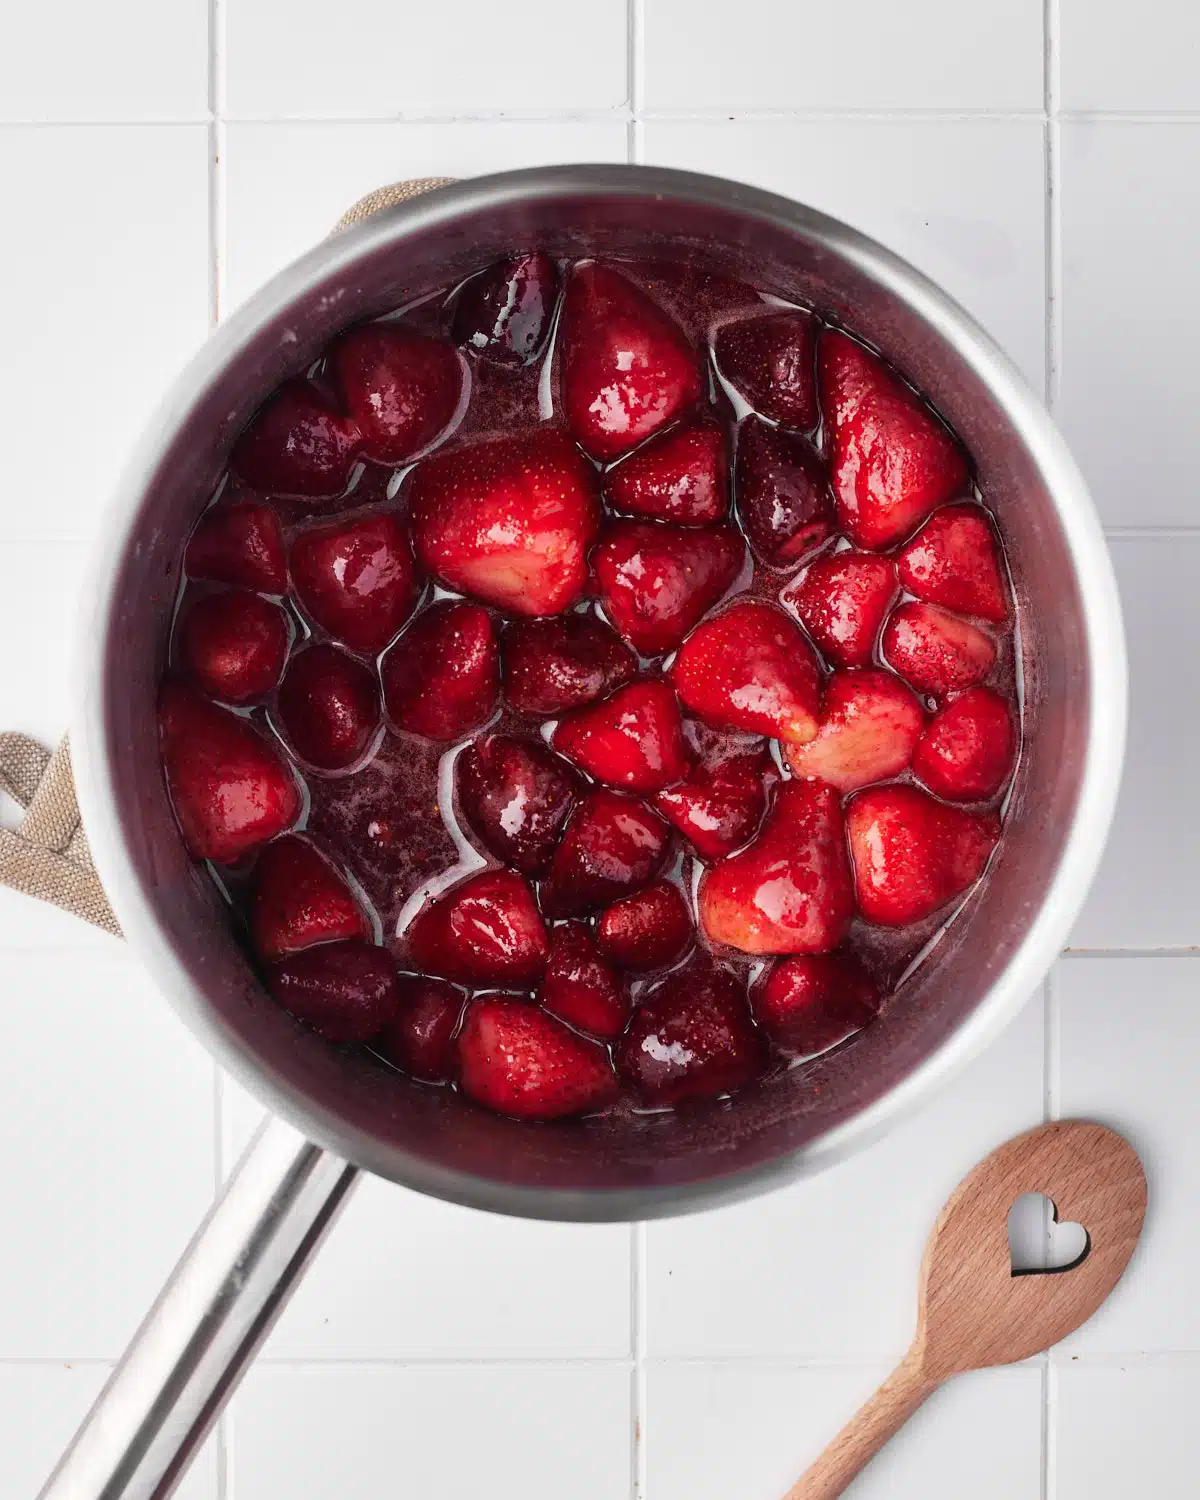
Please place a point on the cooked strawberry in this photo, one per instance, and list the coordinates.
(420, 1036)
(505, 311)
(647, 930)
(579, 986)
(561, 663)
(612, 846)
(485, 930)
(516, 796)
(297, 445)
(401, 388)
(347, 992)
(811, 1002)
(788, 891)
(519, 1061)
(301, 900)
(967, 753)
(953, 560)
(233, 645)
(783, 497)
(912, 855)
(870, 725)
(627, 368)
(691, 1038)
(231, 790)
(240, 545)
(842, 601)
(769, 360)
(682, 476)
(356, 578)
(328, 707)
(716, 809)
(656, 581)
(751, 667)
(633, 739)
(935, 651)
(892, 460)
(508, 521)
(442, 677)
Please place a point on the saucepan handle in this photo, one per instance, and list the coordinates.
(219, 1304)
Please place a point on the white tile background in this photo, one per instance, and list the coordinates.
(1038, 157)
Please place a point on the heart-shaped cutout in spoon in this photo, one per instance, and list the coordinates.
(1039, 1242)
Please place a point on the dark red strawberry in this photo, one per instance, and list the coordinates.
(770, 362)
(401, 388)
(789, 891)
(953, 560)
(912, 855)
(892, 460)
(420, 1036)
(241, 545)
(656, 581)
(485, 930)
(442, 677)
(297, 445)
(691, 1038)
(356, 578)
(633, 739)
(783, 497)
(300, 900)
(508, 521)
(519, 1061)
(842, 602)
(627, 368)
(230, 788)
(347, 992)
(612, 846)
(811, 1002)
(870, 725)
(935, 651)
(561, 663)
(579, 986)
(682, 476)
(505, 311)
(647, 930)
(516, 796)
(233, 645)
(717, 809)
(967, 753)
(751, 667)
(328, 707)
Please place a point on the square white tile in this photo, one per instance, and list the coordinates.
(1128, 57)
(964, 200)
(1126, 1429)
(1131, 316)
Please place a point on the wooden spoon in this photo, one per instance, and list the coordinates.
(974, 1309)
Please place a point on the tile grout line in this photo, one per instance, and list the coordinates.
(637, 1285)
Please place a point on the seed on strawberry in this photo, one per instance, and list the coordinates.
(842, 601)
(967, 753)
(298, 445)
(328, 707)
(300, 900)
(240, 545)
(870, 725)
(516, 796)
(769, 360)
(561, 663)
(811, 1002)
(233, 645)
(419, 1038)
(400, 387)
(612, 845)
(356, 578)
(485, 930)
(580, 988)
(682, 476)
(442, 677)
(954, 561)
(347, 992)
(783, 497)
(519, 1061)
(647, 930)
(633, 739)
(504, 313)
(935, 651)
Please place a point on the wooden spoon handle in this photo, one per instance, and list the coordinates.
(865, 1433)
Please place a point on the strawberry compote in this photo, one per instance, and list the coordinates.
(593, 686)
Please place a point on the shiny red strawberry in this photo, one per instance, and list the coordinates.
(233, 645)
(656, 581)
(231, 789)
(485, 930)
(300, 900)
(633, 739)
(935, 651)
(400, 387)
(870, 725)
(328, 707)
(717, 809)
(789, 891)
(580, 988)
(240, 545)
(954, 561)
(508, 521)
(612, 845)
(627, 369)
(842, 602)
(297, 445)
(504, 313)
(347, 992)
(811, 1002)
(647, 930)
(356, 578)
(967, 753)
(442, 677)
(682, 476)
(770, 361)
(783, 497)
(751, 667)
(516, 796)
(519, 1061)
(561, 663)
(912, 855)
(892, 460)
(420, 1036)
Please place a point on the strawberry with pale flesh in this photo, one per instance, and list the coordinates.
(682, 476)
(300, 900)
(328, 707)
(842, 602)
(954, 561)
(519, 1061)
(419, 1038)
(356, 578)
(442, 677)
(612, 845)
(647, 930)
(298, 445)
(935, 651)
(967, 753)
(784, 501)
(769, 360)
(485, 930)
(580, 988)
(870, 725)
(633, 739)
(347, 992)
(561, 663)
(811, 1002)
(233, 645)
(401, 388)
(504, 313)
(516, 796)
(240, 545)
